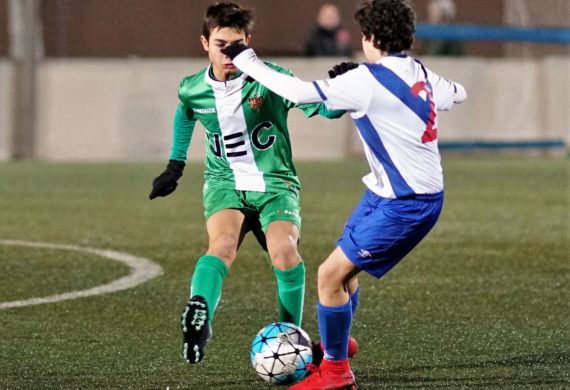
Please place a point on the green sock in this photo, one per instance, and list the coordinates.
(291, 293)
(207, 281)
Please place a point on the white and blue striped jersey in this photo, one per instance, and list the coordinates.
(394, 105)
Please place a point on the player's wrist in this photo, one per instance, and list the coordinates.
(176, 166)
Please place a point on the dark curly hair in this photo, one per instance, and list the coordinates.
(391, 22)
(227, 14)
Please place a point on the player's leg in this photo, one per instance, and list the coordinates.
(354, 295)
(224, 231)
(224, 236)
(225, 227)
(290, 279)
(353, 290)
(336, 275)
(280, 220)
(335, 306)
(289, 270)
(377, 236)
(334, 313)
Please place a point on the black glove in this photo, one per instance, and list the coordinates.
(165, 183)
(234, 50)
(342, 68)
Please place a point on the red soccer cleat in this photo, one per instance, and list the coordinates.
(329, 376)
(318, 350)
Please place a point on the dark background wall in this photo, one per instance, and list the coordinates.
(158, 28)
(168, 28)
(3, 28)
(171, 28)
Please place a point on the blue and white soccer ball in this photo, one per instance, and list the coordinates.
(280, 352)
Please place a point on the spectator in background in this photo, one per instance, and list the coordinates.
(329, 38)
(443, 12)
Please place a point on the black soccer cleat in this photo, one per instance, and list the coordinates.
(318, 353)
(195, 329)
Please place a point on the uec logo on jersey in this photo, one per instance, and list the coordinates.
(235, 143)
(255, 136)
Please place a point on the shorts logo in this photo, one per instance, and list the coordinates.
(364, 253)
(256, 102)
(288, 212)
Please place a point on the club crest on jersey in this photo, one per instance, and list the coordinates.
(256, 102)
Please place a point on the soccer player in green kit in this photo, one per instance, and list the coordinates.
(250, 180)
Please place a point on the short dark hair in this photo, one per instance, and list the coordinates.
(392, 22)
(227, 14)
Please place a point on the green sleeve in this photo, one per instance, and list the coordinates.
(182, 130)
(313, 109)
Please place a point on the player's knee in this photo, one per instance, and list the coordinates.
(285, 263)
(284, 256)
(224, 246)
(328, 278)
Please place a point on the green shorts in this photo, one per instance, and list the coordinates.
(265, 207)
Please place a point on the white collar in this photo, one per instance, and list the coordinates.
(228, 86)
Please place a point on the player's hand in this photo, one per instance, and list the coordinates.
(342, 68)
(165, 183)
(234, 50)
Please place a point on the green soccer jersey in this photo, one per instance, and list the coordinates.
(247, 140)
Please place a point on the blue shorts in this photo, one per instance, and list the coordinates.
(380, 232)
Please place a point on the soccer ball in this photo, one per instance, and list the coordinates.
(280, 352)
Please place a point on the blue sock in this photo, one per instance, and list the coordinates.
(334, 326)
(354, 300)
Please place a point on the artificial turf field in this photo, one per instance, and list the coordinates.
(483, 302)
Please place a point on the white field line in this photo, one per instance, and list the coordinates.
(142, 270)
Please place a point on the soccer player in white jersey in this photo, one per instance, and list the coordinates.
(393, 100)
(250, 179)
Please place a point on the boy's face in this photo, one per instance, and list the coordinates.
(219, 39)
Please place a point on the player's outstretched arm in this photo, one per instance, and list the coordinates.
(291, 88)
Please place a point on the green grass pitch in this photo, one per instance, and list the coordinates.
(483, 302)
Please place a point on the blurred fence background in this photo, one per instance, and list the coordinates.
(97, 79)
